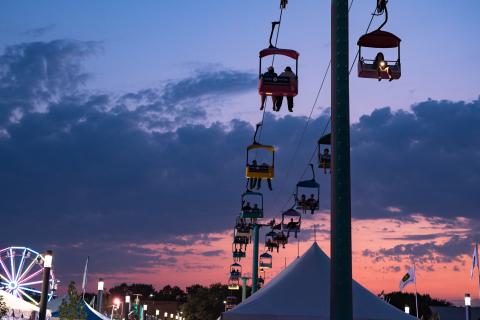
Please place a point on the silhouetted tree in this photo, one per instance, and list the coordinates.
(72, 307)
(206, 303)
(400, 299)
(3, 308)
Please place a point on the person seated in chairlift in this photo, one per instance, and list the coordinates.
(292, 226)
(252, 182)
(382, 66)
(302, 203)
(255, 208)
(247, 207)
(270, 73)
(312, 203)
(288, 73)
(325, 160)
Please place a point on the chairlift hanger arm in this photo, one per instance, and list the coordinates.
(382, 8)
(274, 24)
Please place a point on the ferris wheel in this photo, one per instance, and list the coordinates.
(21, 274)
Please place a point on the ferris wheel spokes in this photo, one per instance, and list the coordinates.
(28, 268)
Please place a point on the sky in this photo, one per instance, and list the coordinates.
(123, 128)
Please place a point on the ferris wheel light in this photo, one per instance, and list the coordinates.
(47, 259)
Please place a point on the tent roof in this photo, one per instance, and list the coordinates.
(15, 303)
(302, 292)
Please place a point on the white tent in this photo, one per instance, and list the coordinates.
(18, 308)
(302, 292)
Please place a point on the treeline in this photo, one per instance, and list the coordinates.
(197, 302)
(207, 302)
(401, 299)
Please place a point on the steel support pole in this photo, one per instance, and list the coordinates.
(244, 288)
(341, 231)
(256, 235)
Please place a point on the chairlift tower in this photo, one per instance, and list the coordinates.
(341, 231)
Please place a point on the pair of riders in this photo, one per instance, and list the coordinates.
(277, 100)
(248, 208)
(308, 204)
(257, 182)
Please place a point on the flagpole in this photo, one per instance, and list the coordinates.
(478, 270)
(415, 283)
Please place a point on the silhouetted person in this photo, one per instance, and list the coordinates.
(270, 73)
(288, 73)
(382, 66)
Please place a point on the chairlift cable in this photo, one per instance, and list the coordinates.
(309, 118)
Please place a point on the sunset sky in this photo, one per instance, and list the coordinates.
(123, 128)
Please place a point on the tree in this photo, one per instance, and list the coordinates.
(169, 293)
(206, 303)
(400, 299)
(145, 290)
(72, 307)
(3, 308)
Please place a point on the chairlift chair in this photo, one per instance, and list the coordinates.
(278, 86)
(301, 200)
(324, 158)
(251, 199)
(270, 241)
(266, 260)
(235, 271)
(233, 284)
(381, 40)
(291, 221)
(259, 170)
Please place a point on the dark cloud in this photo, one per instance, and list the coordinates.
(213, 253)
(429, 252)
(87, 168)
(422, 161)
(38, 32)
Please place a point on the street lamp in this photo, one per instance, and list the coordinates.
(468, 303)
(407, 309)
(101, 285)
(126, 306)
(165, 315)
(171, 315)
(47, 266)
(157, 313)
(145, 307)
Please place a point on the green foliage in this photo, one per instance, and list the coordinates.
(3, 308)
(168, 293)
(72, 307)
(206, 303)
(400, 299)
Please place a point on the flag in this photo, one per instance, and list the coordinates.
(474, 260)
(408, 278)
(84, 282)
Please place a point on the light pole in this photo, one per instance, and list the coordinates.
(165, 315)
(145, 307)
(157, 313)
(468, 303)
(47, 266)
(407, 309)
(126, 306)
(100, 287)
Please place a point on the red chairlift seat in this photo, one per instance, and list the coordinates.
(278, 86)
(381, 40)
